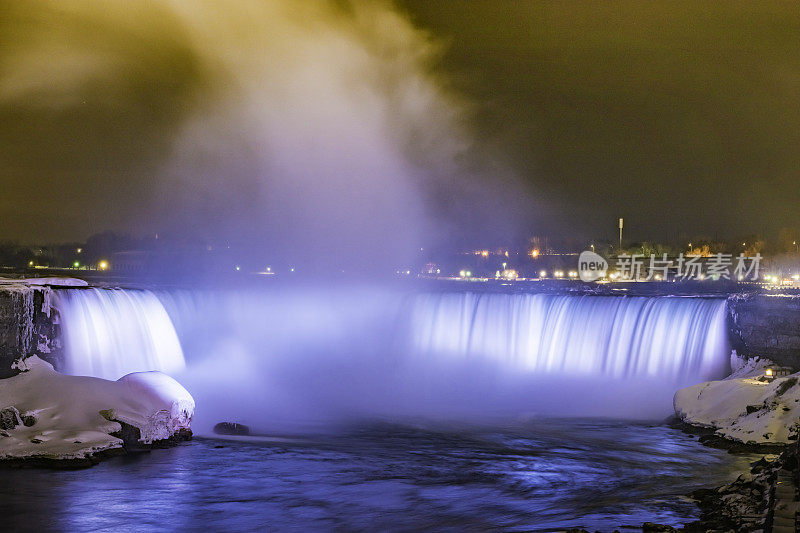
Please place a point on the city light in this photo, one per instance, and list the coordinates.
(102, 265)
(510, 274)
(76, 264)
(573, 274)
(558, 274)
(535, 253)
(543, 273)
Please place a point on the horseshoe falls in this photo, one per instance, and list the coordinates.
(288, 356)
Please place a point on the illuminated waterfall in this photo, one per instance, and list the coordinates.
(673, 338)
(289, 354)
(112, 332)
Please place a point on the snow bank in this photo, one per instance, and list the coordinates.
(51, 281)
(67, 411)
(744, 409)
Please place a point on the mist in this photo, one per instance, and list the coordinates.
(310, 133)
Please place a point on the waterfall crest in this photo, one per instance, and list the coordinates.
(108, 333)
(672, 338)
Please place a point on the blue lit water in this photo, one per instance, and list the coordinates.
(543, 475)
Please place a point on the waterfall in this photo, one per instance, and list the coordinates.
(112, 332)
(288, 355)
(672, 338)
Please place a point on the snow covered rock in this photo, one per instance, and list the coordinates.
(53, 282)
(744, 409)
(65, 412)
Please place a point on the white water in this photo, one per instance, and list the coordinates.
(108, 333)
(277, 358)
(619, 337)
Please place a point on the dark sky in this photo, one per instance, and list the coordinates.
(683, 117)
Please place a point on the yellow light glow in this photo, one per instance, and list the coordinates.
(485, 253)
(102, 265)
(543, 273)
(535, 253)
(768, 372)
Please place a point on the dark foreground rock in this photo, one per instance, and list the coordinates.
(231, 428)
(764, 499)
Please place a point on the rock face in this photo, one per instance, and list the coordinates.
(27, 326)
(765, 325)
(231, 428)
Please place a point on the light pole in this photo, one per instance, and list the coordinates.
(620, 234)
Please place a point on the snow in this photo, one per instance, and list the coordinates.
(68, 409)
(51, 281)
(723, 405)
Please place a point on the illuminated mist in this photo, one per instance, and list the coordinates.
(312, 132)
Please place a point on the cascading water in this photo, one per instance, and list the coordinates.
(668, 337)
(271, 358)
(108, 333)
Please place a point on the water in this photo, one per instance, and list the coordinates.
(112, 332)
(285, 358)
(540, 476)
(510, 375)
(666, 337)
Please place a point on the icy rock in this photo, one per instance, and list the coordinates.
(744, 409)
(231, 428)
(66, 412)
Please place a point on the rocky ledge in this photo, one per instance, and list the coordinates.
(53, 420)
(745, 408)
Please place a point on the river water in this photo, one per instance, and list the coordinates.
(541, 475)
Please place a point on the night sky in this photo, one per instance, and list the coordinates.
(682, 117)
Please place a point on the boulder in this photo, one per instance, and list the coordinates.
(231, 428)
(9, 418)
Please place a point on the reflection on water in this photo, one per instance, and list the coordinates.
(543, 475)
